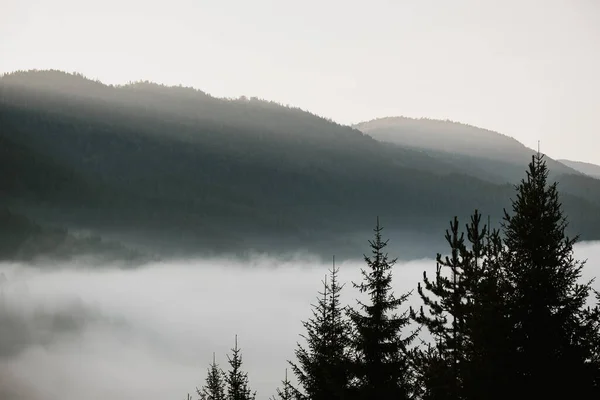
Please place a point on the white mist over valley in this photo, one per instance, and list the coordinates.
(87, 331)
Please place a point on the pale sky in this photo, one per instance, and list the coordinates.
(526, 68)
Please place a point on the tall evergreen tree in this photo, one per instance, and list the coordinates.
(463, 312)
(322, 367)
(214, 389)
(236, 380)
(547, 304)
(381, 368)
(445, 318)
(288, 392)
(338, 341)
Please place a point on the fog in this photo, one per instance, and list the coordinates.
(88, 331)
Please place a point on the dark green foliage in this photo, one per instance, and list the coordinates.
(509, 319)
(236, 380)
(381, 366)
(322, 368)
(195, 173)
(214, 388)
(446, 316)
(547, 308)
(463, 311)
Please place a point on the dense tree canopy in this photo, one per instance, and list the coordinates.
(180, 168)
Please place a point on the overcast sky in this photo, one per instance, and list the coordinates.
(526, 68)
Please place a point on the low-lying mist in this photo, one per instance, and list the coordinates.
(87, 331)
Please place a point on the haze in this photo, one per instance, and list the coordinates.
(90, 331)
(527, 69)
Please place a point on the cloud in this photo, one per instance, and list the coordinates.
(98, 332)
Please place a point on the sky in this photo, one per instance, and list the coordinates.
(525, 68)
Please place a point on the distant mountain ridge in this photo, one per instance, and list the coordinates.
(456, 138)
(589, 169)
(183, 172)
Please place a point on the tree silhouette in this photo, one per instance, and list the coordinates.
(381, 366)
(288, 392)
(547, 305)
(214, 389)
(322, 367)
(236, 380)
(462, 309)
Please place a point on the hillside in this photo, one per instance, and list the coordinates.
(22, 239)
(180, 171)
(490, 154)
(588, 169)
(479, 152)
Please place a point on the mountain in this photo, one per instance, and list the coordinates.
(589, 169)
(477, 152)
(181, 172)
(487, 154)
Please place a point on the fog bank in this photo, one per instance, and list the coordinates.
(99, 332)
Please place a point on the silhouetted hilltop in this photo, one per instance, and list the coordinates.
(588, 169)
(182, 171)
(503, 154)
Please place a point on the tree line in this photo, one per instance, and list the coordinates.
(506, 313)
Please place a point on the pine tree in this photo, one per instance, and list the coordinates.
(486, 323)
(447, 301)
(322, 368)
(288, 392)
(463, 312)
(547, 305)
(236, 380)
(381, 368)
(593, 341)
(338, 341)
(450, 292)
(214, 389)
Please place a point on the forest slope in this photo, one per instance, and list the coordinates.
(177, 168)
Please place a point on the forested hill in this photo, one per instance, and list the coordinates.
(177, 168)
(453, 137)
(589, 169)
(480, 150)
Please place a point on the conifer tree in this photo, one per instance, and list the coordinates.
(338, 341)
(236, 380)
(381, 366)
(463, 312)
(547, 304)
(214, 389)
(322, 368)
(288, 392)
(593, 320)
(446, 302)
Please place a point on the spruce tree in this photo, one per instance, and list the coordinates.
(546, 302)
(322, 367)
(338, 341)
(288, 392)
(463, 311)
(381, 366)
(214, 389)
(236, 380)
(593, 341)
(445, 317)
